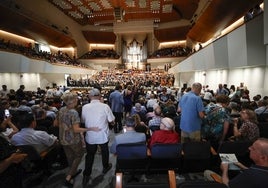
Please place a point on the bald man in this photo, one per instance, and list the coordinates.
(166, 134)
(254, 176)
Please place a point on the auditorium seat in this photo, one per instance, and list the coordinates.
(165, 157)
(201, 184)
(263, 127)
(239, 148)
(132, 158)
(196, 156)
(170, 182)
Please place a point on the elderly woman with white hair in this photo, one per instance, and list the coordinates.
(166, 134)
(68, 121)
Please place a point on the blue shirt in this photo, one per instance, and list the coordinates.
(127, 137)
(117, 101)
(191, 104)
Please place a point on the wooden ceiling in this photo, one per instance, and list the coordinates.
(197, 19)
(218, 16)
(104, 11)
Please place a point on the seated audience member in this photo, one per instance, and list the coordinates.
(254, 176)
(166, 134)
(13, 106)
(208, 96)
(139, 109)
(254, 102)
(262, 107)
(7, 128)
(169, 110)
(10, 159)
(249, 129)
(163, 97)
(41, 140)
(216, 123)
(42, 123)
(154, 123)
(150, 114)
(140, 126)
(10, 168)
(151, 102)
(130, 136)
(23, 106)
(235, 109)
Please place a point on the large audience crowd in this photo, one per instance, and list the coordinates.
(29, 51)
(177, 51)
(228, 114)
(100, 53)
(135, 77)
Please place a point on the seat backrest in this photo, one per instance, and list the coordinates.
(196, 156)
(166, 150)
(201, 184)
(262, 117)
(131, 151)
(239, 148)
(154, 128)
(33, 155)
(196, 150)
(263, 127)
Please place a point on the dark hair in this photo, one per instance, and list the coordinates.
(223, 99)
(26, 120)
(118, 87)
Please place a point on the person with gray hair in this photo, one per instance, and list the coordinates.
(192, 111)
(70, 136)
(96, 114)
(166, 134)
(129, 136)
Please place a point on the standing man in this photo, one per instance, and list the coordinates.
(96, 114)
(192, 111)
(4, 92)
(117, 105)
(221, 90)
(20, 94)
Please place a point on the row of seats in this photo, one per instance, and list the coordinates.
(184, 158)
(169, 183)
(135, 158)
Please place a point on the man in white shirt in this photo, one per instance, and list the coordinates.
(96, 114)
(4, 92)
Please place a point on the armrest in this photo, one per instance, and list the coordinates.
(149, 152)
(172, 179)
(212, 150)
(118, 180)
(216, 177)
